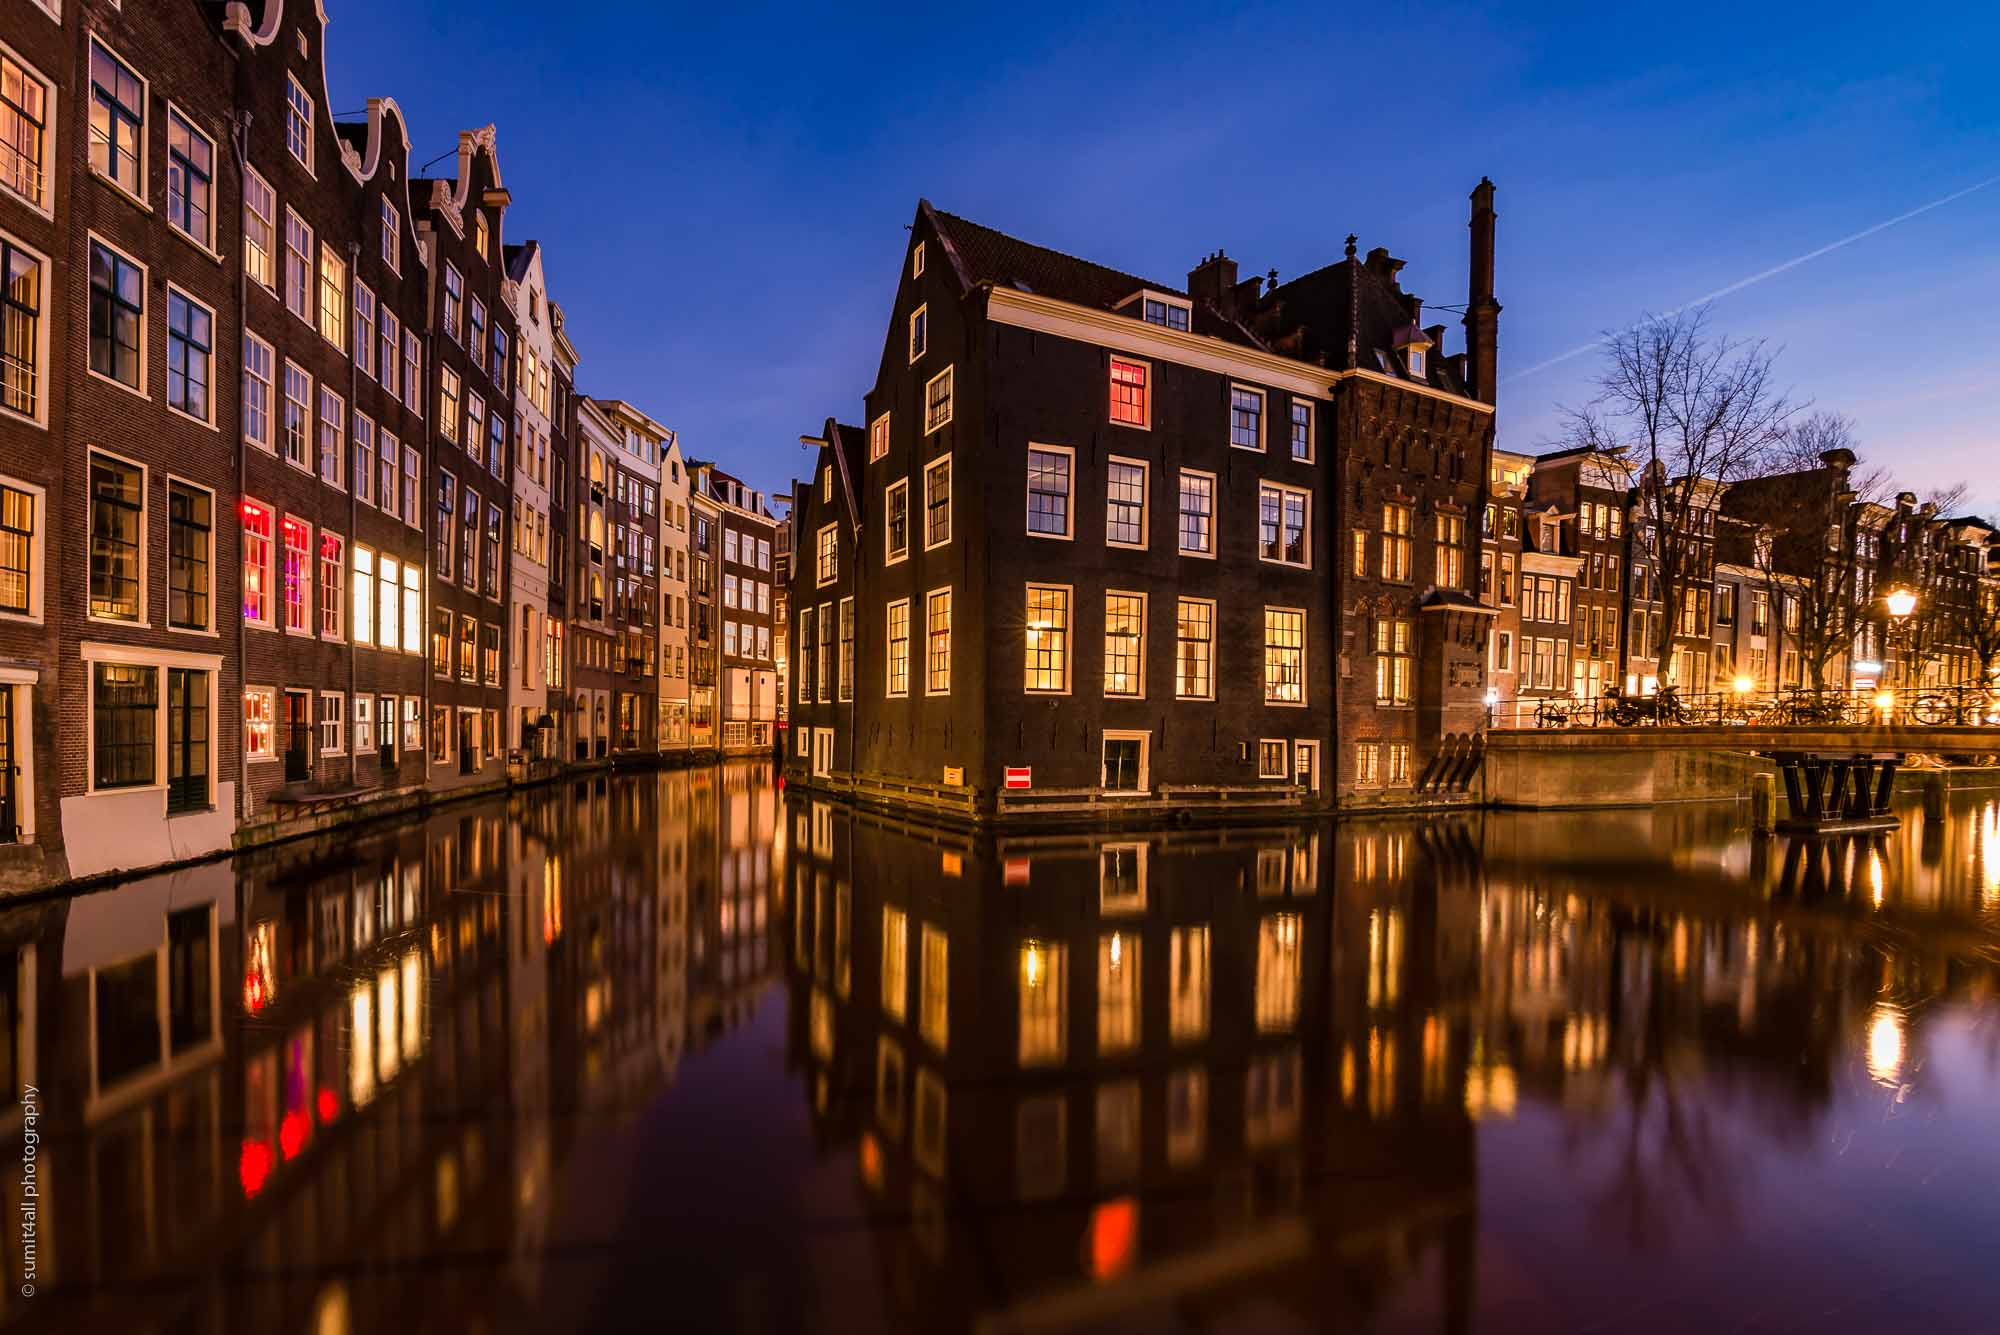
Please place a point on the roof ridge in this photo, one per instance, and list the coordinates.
(1062, 254)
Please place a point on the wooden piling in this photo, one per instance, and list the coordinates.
(1763, 803)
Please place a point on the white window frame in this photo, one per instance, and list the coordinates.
(951, 402)
(1069, 500)
(311, 121)
(1214, 514)
(917, 260)
(276, 256)
(270, 619)
(214, 354)
(92, 238)
(1284, 489)
(1214, 651)
(392, 236)
(205, 244)
(1312, 430)
(920, 317)
(45, 203)
(309, 266)
(274, 389)
(889, 648)
(1145, 740)
(145, 122)
(943, 461)
(338, 720)
(1069, 638)
(38, 569)
(1143, 365)
(43, 342)
(878, 437)
(144, 619)
(1145, 617)
(1263, 416)
(890, 555)
(1145, 502)
(826, 571)
(949, 606)
(1305, 658)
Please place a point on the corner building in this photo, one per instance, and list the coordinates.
(1083, 549)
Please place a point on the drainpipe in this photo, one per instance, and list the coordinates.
(354, 516)
(240, 140)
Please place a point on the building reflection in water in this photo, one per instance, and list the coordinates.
(288, 1092)
(354, 1085)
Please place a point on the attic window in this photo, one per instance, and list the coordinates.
(917, 260)
(1417, 363)
(1172, 314)
(479, 234)
(302, 43)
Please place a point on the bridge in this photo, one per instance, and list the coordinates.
(1834, 775)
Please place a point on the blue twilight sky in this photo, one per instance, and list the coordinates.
(723, 190)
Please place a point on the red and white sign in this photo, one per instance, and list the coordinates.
(1020, 776)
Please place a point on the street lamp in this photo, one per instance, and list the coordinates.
(1901, 603)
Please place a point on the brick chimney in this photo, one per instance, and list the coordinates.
(1482, 312)
(1214, 281)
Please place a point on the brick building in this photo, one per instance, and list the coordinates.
(563, 571)
(745, 657)
(530, 552)
(674, 679)
(593, 642)
(632, 521)
(472, 337)
(1064, 461)
(1592, 494)
(1500, 578)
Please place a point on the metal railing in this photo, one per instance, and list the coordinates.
(1930, 707)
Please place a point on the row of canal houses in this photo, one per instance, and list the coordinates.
(300, 507)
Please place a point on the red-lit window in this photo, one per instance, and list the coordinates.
(1128, 392)
(256, 563)
(297, 575)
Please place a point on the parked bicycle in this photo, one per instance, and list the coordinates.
(1964, 706)
(1557, 712)
(1663, 707)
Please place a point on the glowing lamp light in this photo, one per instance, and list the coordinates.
(329, 1105)
(1744, 685)
(1114, 1238)
(1901, 602)
(1492, 696)
(1885, 700)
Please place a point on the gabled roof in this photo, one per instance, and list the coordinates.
(518, 258)
(982, 255)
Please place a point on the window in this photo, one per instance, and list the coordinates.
(117, 121)
(1170, 314)
(1125, 503)
(117, 519)
(190, 344)
(896, 521)
(117, 316)
(1399, 763)
(919, 332)
(411, 515)
(298, 266)
(332, 296)
(1049, 491)
(392, 237)
(296, 575)
(1284, 532)
(365, 735)
(1130, 404)
(21, 276)
(187, 740)
(299, 122)
(897, 678)
(190, 180)
(826, 566)
(490, 575)
(937, 503)
(895, 962)
(448, 403)
(332, 583)
(1125, 772)
(937, 401)
(1396, 547)
(298, 411)
(333, 722)
(454, 300)
(258, 388)
(1246, 418)
(475, 424)
(1196, 530)
(388, 586)
(937, 642)
(190, 549)
(413, 367)
(413, 612)
(1358, 553)
(20, 551)
(1125, 644)
(1284, 656)
(847, 646)
(258, 530)
(475, 329)
(124, 706)
(260, 711)
(1302, 431)
(24, 100)
(363, 470)
(1271, 758)
(364, 328)
(1194, 650)
(413, 723)
(364, 596)
(1392, 661)
(1416, 356)
(1450, 551)
(332, 436)
(441, 642)
(1047, 638)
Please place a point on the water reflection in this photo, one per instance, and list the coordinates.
(671, 1049)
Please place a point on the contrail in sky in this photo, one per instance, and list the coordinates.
(1771, 272)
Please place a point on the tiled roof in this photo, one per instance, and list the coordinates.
(983, 255)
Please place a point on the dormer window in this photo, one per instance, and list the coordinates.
(1161, 311)
(1417, 363)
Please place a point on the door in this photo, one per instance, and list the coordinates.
(385, 734)
(468, 741)
(1124, 762)
(1305, 765)
(298, 732)
(10, 826)
(822, 751)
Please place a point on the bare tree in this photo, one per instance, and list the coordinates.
(1683, 411)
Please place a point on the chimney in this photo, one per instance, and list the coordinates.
(1435, 333)
(1482, 312)
(1384, 266)
(1214, 281)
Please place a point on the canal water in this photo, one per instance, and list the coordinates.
(683, 1051)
